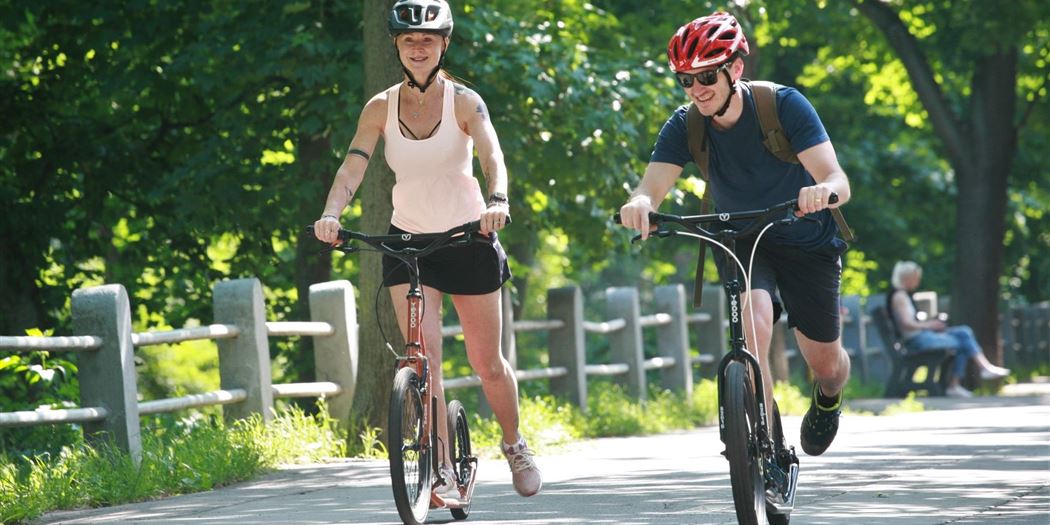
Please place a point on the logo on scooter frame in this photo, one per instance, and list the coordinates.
(724, 217)
(412, 316)
(733, 309)
(406, 236)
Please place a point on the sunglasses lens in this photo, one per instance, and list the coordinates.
(705, 78)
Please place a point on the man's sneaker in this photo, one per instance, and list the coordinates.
(526, 475)
(820, 425)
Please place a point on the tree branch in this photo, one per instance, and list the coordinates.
(945, 123)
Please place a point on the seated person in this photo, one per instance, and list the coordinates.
(919, 335)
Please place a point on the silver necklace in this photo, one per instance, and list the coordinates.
(421, 100)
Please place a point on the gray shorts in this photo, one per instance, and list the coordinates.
(804, 282)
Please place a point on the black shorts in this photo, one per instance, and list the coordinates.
(807, 281)
(476, 269)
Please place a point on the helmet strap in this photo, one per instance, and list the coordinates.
(412, 82)
(729, 98)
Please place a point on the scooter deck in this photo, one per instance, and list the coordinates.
(787, 504)
(461, 496)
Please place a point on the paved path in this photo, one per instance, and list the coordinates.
(968, 462)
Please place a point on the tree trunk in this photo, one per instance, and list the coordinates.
(19, 309)
(981, 210)
(981, 152)
(376, 371)
(311, 266)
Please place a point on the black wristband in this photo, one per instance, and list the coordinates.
(498, 198)
(359, 152)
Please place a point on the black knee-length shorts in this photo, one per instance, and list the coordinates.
(807, 281)
(476, 269)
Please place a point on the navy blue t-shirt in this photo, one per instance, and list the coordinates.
(745, 175)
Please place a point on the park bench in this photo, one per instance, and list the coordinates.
(905, 364)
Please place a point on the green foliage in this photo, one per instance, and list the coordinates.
(174, 146)
(548, 422)
(545, 421)
(179, 456)
(792, 400)
(369, 443)
(29, 381)
(907, 405)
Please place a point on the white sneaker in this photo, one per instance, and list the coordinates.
(526, 475)
(958, 391)
(994, 372)
(446, 481)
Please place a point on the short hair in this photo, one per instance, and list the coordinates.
(903, 269)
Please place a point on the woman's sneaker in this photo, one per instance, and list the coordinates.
(820, 425)
(994, 372)
(523, 469)
(445, 484)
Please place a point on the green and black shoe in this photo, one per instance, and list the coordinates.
(820, 424)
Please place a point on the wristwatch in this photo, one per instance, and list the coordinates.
(497, 198)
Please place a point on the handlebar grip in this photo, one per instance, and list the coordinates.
(833, 198)
(616, 218)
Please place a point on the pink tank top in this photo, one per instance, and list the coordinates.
(435, 188)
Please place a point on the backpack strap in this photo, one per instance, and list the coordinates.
(776, 140)
(697, 133)
(773, 137)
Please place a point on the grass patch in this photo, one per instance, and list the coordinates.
(905, 406)
(179, 456)
(550, 423)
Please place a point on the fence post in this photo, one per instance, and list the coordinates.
(1042, 331)
(673, 338)
(107, 375)
(779, 362)
(853, 335)
(566, 344)
(335, 356)
(711, 335)
(625, 346)
(244, 361)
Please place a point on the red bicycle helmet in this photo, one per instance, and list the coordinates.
(707, 41)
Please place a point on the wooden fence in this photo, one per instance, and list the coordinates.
(108, 391)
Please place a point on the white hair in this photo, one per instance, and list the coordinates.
(904, 269)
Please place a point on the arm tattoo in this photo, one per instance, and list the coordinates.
(349, 194)
(481, 111)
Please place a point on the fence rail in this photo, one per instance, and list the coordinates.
(108, 389)
(103, 337)
(35, 344)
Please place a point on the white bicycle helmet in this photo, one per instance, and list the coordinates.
(428, 16)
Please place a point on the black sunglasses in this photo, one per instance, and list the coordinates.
(705, 78)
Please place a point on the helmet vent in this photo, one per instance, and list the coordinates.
(728, 35)
(691, 48)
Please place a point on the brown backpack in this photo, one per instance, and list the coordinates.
(773, 138)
